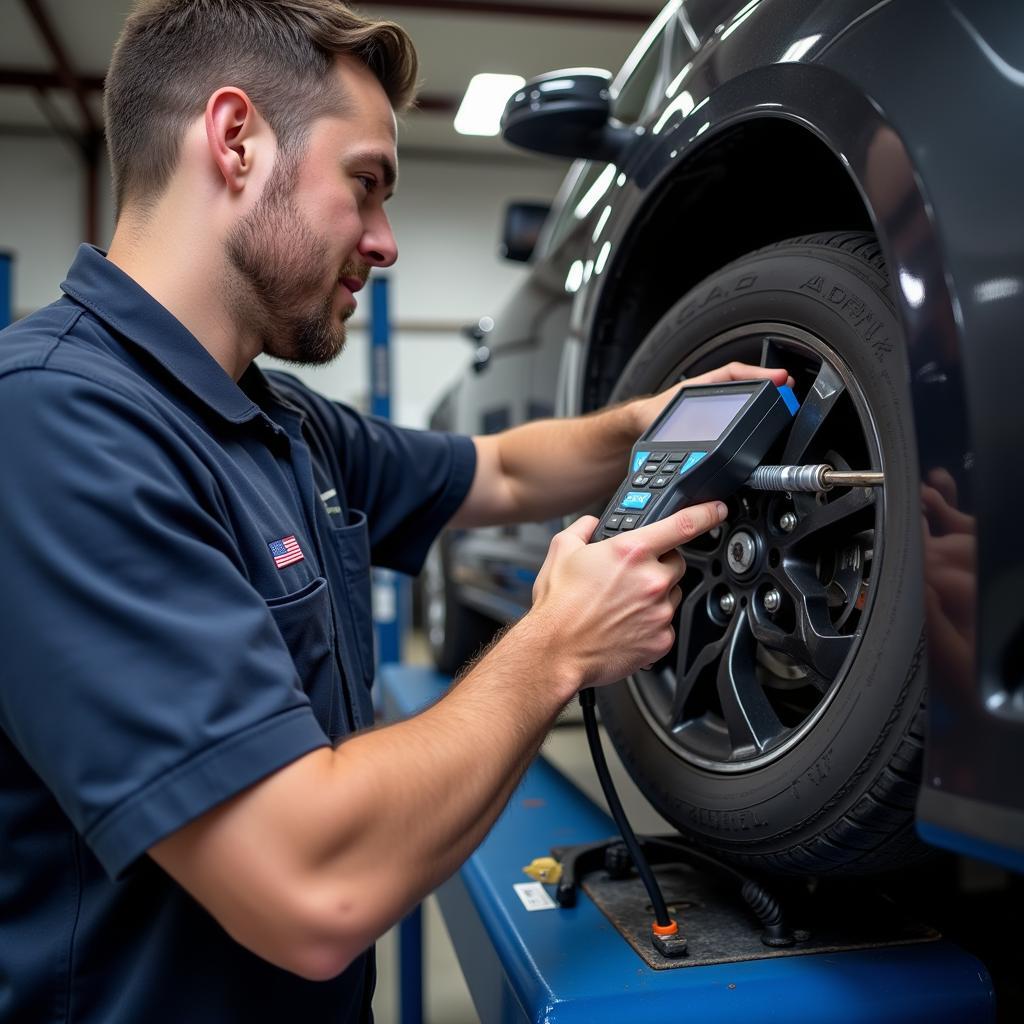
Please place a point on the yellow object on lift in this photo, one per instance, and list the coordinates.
(544, 869)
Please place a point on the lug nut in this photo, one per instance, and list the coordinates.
(772, 601)
(727, 603)
(715, 532)
(788, 522)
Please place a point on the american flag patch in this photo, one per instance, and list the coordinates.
(286, 551)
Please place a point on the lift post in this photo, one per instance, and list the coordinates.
(571, 965)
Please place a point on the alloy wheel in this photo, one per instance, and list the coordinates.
(776, 598)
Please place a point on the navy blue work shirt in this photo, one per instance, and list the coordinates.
(186, 609)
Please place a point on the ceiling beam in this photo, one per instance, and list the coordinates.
(21, 78)
(64, 73)
(564, 12)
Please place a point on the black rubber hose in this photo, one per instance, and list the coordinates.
(767, 908)
(628, 836)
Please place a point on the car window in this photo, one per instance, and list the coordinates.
(637, 91)
(640, 87)
(581, 178)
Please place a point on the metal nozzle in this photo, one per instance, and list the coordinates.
(810, 478)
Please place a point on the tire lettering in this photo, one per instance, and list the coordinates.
(727, 821)
(855, 311)
(821, 769)
(716, 294)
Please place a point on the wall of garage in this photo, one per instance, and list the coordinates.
(447, 219)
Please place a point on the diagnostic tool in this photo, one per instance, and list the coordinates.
(705, 444)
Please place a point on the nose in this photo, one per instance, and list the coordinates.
(378, 246)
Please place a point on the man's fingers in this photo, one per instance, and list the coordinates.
(942, 515)
(942, 480)
(681, 527)
(743, 371)
(675, 563)
(583, 528)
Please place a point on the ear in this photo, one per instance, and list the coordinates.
(231, 124)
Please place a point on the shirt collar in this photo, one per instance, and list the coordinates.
(118, 300)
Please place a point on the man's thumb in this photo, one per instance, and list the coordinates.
(583, 528)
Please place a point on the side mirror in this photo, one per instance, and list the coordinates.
(523, 223)
(565, 113)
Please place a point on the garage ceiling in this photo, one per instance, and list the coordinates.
(53, 55)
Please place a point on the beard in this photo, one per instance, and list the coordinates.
(279, 260)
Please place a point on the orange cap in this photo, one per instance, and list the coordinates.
(665, 929)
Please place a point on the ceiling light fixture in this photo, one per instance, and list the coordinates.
(482, 106)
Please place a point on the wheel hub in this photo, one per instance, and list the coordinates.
(741, 552)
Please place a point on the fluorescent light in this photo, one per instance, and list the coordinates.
(481, 108)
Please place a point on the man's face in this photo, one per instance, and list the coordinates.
(306, 247)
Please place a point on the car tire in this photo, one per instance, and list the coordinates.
(455, 633)
(830, 788)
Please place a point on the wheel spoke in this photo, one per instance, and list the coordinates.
(697, 558)
(828, 386)
(773, 355)
(749, 716)
(686, 677)
(824, 649)
(814, 518)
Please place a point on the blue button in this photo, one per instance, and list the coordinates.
(692, 461)
(636, 499)
(639, 459)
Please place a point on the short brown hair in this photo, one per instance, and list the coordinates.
(173, 54)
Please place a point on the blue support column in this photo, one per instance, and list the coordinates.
(387, 586)
(410, 968)
(388, 608)
(6, 288)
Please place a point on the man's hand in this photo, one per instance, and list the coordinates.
(611, 604)
(950, 577)
(646, 410)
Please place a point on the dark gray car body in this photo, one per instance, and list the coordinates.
(751, 123)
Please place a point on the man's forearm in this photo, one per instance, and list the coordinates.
(549, 468)
(310, 866)
(443, 776)
(555, 467)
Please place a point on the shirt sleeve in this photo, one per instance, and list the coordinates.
(408, 482)
(145, 680)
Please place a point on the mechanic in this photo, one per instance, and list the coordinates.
(186, 540)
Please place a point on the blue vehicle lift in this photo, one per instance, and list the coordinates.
(561, 966)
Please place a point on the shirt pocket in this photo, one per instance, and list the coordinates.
(304, 622)
(352, 544)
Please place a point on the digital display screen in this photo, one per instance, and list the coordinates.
(701, 418)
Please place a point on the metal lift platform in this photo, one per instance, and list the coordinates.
(565, 965)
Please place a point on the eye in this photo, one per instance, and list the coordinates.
(368, 182)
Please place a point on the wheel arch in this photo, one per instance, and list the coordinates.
(731, 203)
(772, 154)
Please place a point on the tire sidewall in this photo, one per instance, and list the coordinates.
(844, 300)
